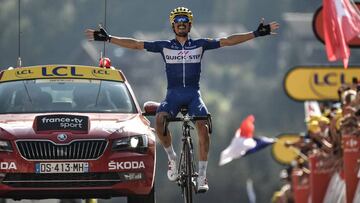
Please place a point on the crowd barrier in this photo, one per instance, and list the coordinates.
(351, 158)
(328, 183)
(300, 185)
(321, 171)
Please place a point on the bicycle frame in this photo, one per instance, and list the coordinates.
(187, 166)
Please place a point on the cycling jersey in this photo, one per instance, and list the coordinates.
(183, 62)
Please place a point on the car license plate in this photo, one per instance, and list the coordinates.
(63, 167)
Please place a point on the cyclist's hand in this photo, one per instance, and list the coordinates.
(98, 35)
(266, 29)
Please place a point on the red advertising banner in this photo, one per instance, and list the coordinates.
(301, 186)
(351, 144)
(320, 176)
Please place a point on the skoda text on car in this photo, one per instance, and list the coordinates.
(69, 131)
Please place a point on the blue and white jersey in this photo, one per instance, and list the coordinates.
(183, 62)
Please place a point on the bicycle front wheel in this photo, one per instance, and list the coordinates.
(188, 190)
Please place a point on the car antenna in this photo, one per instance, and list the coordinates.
(19, 36)
(103, 53)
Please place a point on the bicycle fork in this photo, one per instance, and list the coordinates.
(186, 154)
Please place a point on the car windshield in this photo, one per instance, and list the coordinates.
(65, 95)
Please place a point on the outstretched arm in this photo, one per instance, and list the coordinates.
(236, 39)
(102, 35)
(262, 30)
(127, 42)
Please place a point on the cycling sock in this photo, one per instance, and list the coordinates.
(202, 168)
(170, 152)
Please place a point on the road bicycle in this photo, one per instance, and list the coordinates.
(186, 169)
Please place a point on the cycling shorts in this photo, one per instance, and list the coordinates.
(176, 98)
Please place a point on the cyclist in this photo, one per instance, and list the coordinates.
(182, 56)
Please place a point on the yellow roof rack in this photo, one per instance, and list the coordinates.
(61, 71)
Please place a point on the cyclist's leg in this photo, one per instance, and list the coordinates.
(204, 139)
(198, 108)
(159, 127)
(167, 108)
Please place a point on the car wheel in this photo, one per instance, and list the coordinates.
(150, 198)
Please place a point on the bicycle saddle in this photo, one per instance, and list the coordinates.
(184, 109)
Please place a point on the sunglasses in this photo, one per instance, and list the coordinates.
(181, 19)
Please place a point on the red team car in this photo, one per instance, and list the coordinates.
(69, 131)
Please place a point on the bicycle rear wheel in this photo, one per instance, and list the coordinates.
(188, 190)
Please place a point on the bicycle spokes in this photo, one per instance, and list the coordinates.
(186, 169)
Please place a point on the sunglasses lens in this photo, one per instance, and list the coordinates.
(181, 19)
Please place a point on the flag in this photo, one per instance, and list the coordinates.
(244, 142)
(312, 108)
(341, 23)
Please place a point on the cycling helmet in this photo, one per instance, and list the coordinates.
(180, 11)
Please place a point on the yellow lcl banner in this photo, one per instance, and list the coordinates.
(60, 71)
(318, 83)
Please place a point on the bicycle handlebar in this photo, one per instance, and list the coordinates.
(167, 120)
(191, 118)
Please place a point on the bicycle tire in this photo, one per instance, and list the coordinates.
(188, 190)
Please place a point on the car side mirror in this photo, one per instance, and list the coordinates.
(150, 108)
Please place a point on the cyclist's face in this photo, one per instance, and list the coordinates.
(182, 28)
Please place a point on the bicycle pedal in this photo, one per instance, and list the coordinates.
(194, 185)
(180, 182)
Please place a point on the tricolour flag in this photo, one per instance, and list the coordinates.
(341, 21)
(244, 142)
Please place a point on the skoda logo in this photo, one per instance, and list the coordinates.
(62, 137)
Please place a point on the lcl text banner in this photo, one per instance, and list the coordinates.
(318, 83)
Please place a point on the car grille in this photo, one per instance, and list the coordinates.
(62, 180)
(47, 150)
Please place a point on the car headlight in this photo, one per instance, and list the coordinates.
(138, 143)
(5, 146)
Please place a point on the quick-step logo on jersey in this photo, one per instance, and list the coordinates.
(183, 56)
